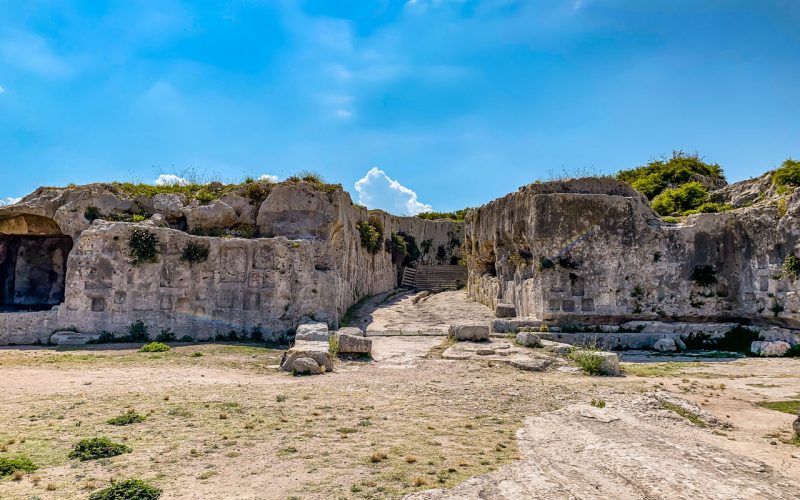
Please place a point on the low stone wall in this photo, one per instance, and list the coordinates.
(28, 327)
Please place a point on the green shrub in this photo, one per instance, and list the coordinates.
(91, 213)
(10, 465)
(656, 176)
(155, 347)
(704, 275)
(787, 175)
(398, 244)
(598, 403)
(670, 220)
(458, 215)
(588, 360)
(333, 345)
(127, 418)
(105, 337)
(709, 208)
(137, 332)
(371, 232)
(143, 246)
(738, 339)
(689, 196)
(94, 448)
(791, 267)
(129, 489)
(165, 336)
(194, 253)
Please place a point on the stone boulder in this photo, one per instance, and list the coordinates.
(215, 215)
(316, 331)
(72, 338)
(770, 348)
(610, 364)
(474, 332)
(669, 344)
(502, 310)
(306, 366)
(317, 351)
(354, 344)
(169, 204)
(529, 339)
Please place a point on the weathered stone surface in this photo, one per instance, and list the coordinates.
(502, 310)
(666, 344)
(351, 330)
(316, 331)
(529, 339)
(354, 344)
(317, 351)
(767, 348)
(471, 332)
(485, 352)
(72, 338)
(216, 215)
(306, 366)
(796, 426)
(593, 250)
(169, 204)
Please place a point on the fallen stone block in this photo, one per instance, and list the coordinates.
(352, 344)
(502, 310)
(667, 344)
(471, 332)
(529, 339)
(305, 366)
(609, 362)
(770, 348)
(318, 351)
(72, 338)
(313, 332)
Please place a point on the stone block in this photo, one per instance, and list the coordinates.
(503, 310)
(770, 348)
(354, 344)
(529, 339)
(73, 338)
(306, 366)
(318, 351)
(316, 331)
(473, 332)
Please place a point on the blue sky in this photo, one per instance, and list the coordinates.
(457, 102)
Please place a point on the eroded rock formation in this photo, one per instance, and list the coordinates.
(301, 258)
(593, 251)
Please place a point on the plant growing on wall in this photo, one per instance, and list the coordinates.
(371, 232)
(704, 275)
(194, 253)
(143, 246)
(791, 267)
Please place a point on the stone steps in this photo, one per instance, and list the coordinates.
(437, 278)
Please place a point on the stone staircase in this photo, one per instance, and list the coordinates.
(435, 278)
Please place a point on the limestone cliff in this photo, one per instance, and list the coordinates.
(592, 251)
(268, 261)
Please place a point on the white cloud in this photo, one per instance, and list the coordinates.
(2, 90)
(170, 180)
(8, 201)
(377, 190)
(268, 177)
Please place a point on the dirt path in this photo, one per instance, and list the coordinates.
(411, 312)
(586, 452)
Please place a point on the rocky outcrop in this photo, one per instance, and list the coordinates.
(593, 251)
(285, 253)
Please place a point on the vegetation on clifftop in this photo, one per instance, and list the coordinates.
(457, 216)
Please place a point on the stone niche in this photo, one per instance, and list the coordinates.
(33, 262)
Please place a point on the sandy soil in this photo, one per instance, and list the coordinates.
(228, 424)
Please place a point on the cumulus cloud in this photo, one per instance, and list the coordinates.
(268, 177)
(378, 190)
(170, 180)
(8, 201)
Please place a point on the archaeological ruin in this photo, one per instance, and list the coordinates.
(580, 256)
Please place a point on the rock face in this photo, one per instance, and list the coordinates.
(592, 250)
(471, 332)
(68, 254)
(769, 349)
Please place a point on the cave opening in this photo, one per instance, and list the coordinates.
(32, 271)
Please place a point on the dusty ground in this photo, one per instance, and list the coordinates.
(228, 424)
